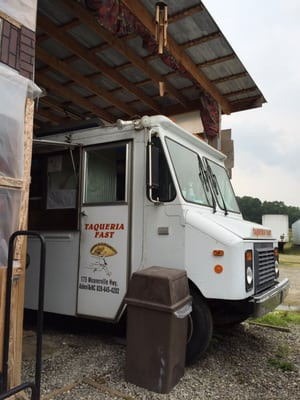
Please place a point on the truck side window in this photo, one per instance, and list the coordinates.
(105, 174)
(163, 190)
(53, 196)
(61, 182)
(189, 172)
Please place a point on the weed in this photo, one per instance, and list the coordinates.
(280, 318)
(280, 360)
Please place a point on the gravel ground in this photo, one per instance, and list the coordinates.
(237, 366)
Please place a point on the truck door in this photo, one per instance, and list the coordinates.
(104, 254)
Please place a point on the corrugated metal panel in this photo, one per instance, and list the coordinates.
(227, 68)
(192, 27)
(186, 30)
(85, 36)
(134, 75)
(81, 91)
(112, 57)
(136, 44)
(105, 82)
(82, 67)
(151, 90)
(179, 82)
(55, 49)
(100, 102)
(159, 66)
(236, 84)
(208, 51)
(59, 15)
(174, 6)
(57, 78)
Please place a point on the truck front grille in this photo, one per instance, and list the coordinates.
(264, 266)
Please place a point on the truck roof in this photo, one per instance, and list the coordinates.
(82, 135)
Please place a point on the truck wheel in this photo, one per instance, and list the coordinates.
(200, 328)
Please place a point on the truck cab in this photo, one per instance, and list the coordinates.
(113, 200)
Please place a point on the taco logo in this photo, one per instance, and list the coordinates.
(99, 253)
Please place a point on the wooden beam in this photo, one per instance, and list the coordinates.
(247, 103)
(60, 107)
(50, 116)
(87, 18)
(216, 60)
(230, 77)
(202, 39)
(137, 9)
(185, 13)
(63, 68)
(74, 97)
(241, 91)
(51, 29)
(65, 27)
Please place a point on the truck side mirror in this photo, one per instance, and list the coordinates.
(153, 172)
(155, 167)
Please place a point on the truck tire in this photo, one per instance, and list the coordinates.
(200, 328)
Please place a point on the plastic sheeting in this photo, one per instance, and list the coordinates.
(23, 11)
(10, 201)
(14, 90)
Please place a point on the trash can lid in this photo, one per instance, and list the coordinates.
(158, 287)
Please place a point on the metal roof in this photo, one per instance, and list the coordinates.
(89, 72)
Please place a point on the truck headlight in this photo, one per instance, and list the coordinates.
(249, 276)
(276, 257)
(248, 270)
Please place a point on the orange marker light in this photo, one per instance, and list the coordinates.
(218, 269)
(248, 255)
(218, 253)
(276, 253)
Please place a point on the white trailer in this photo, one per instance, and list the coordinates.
(279, 225)
(114, 200)
(296, 232)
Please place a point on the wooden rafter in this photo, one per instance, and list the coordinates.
(241, 91)
(185, 13)
(64, 28)
(51, 29)
(182, 58)
(60, 107)
(76, 98)
(201, 40)
(230, 77)
(62, 67)
(50, 116)
(88, 19)
(216, 60)
(249, 102)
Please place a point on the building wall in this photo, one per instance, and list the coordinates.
(17, 46)
(192, 123)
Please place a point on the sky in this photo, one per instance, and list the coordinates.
(265, 35)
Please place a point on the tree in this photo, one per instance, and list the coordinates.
(253, 209)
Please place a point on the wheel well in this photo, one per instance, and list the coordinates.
(195, 289)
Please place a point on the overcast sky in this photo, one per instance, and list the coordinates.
(265, 35)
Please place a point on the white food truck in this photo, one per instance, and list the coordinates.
(113, 200)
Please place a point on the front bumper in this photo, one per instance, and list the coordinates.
(269, 299)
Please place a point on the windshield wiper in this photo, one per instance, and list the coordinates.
(217, 189)
(204, 181)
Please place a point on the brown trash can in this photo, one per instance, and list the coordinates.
(158, 305)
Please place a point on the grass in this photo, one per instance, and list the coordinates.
(280, 360)
(290, 248)
(280, 318)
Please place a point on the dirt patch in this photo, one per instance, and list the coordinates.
(292, 272)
